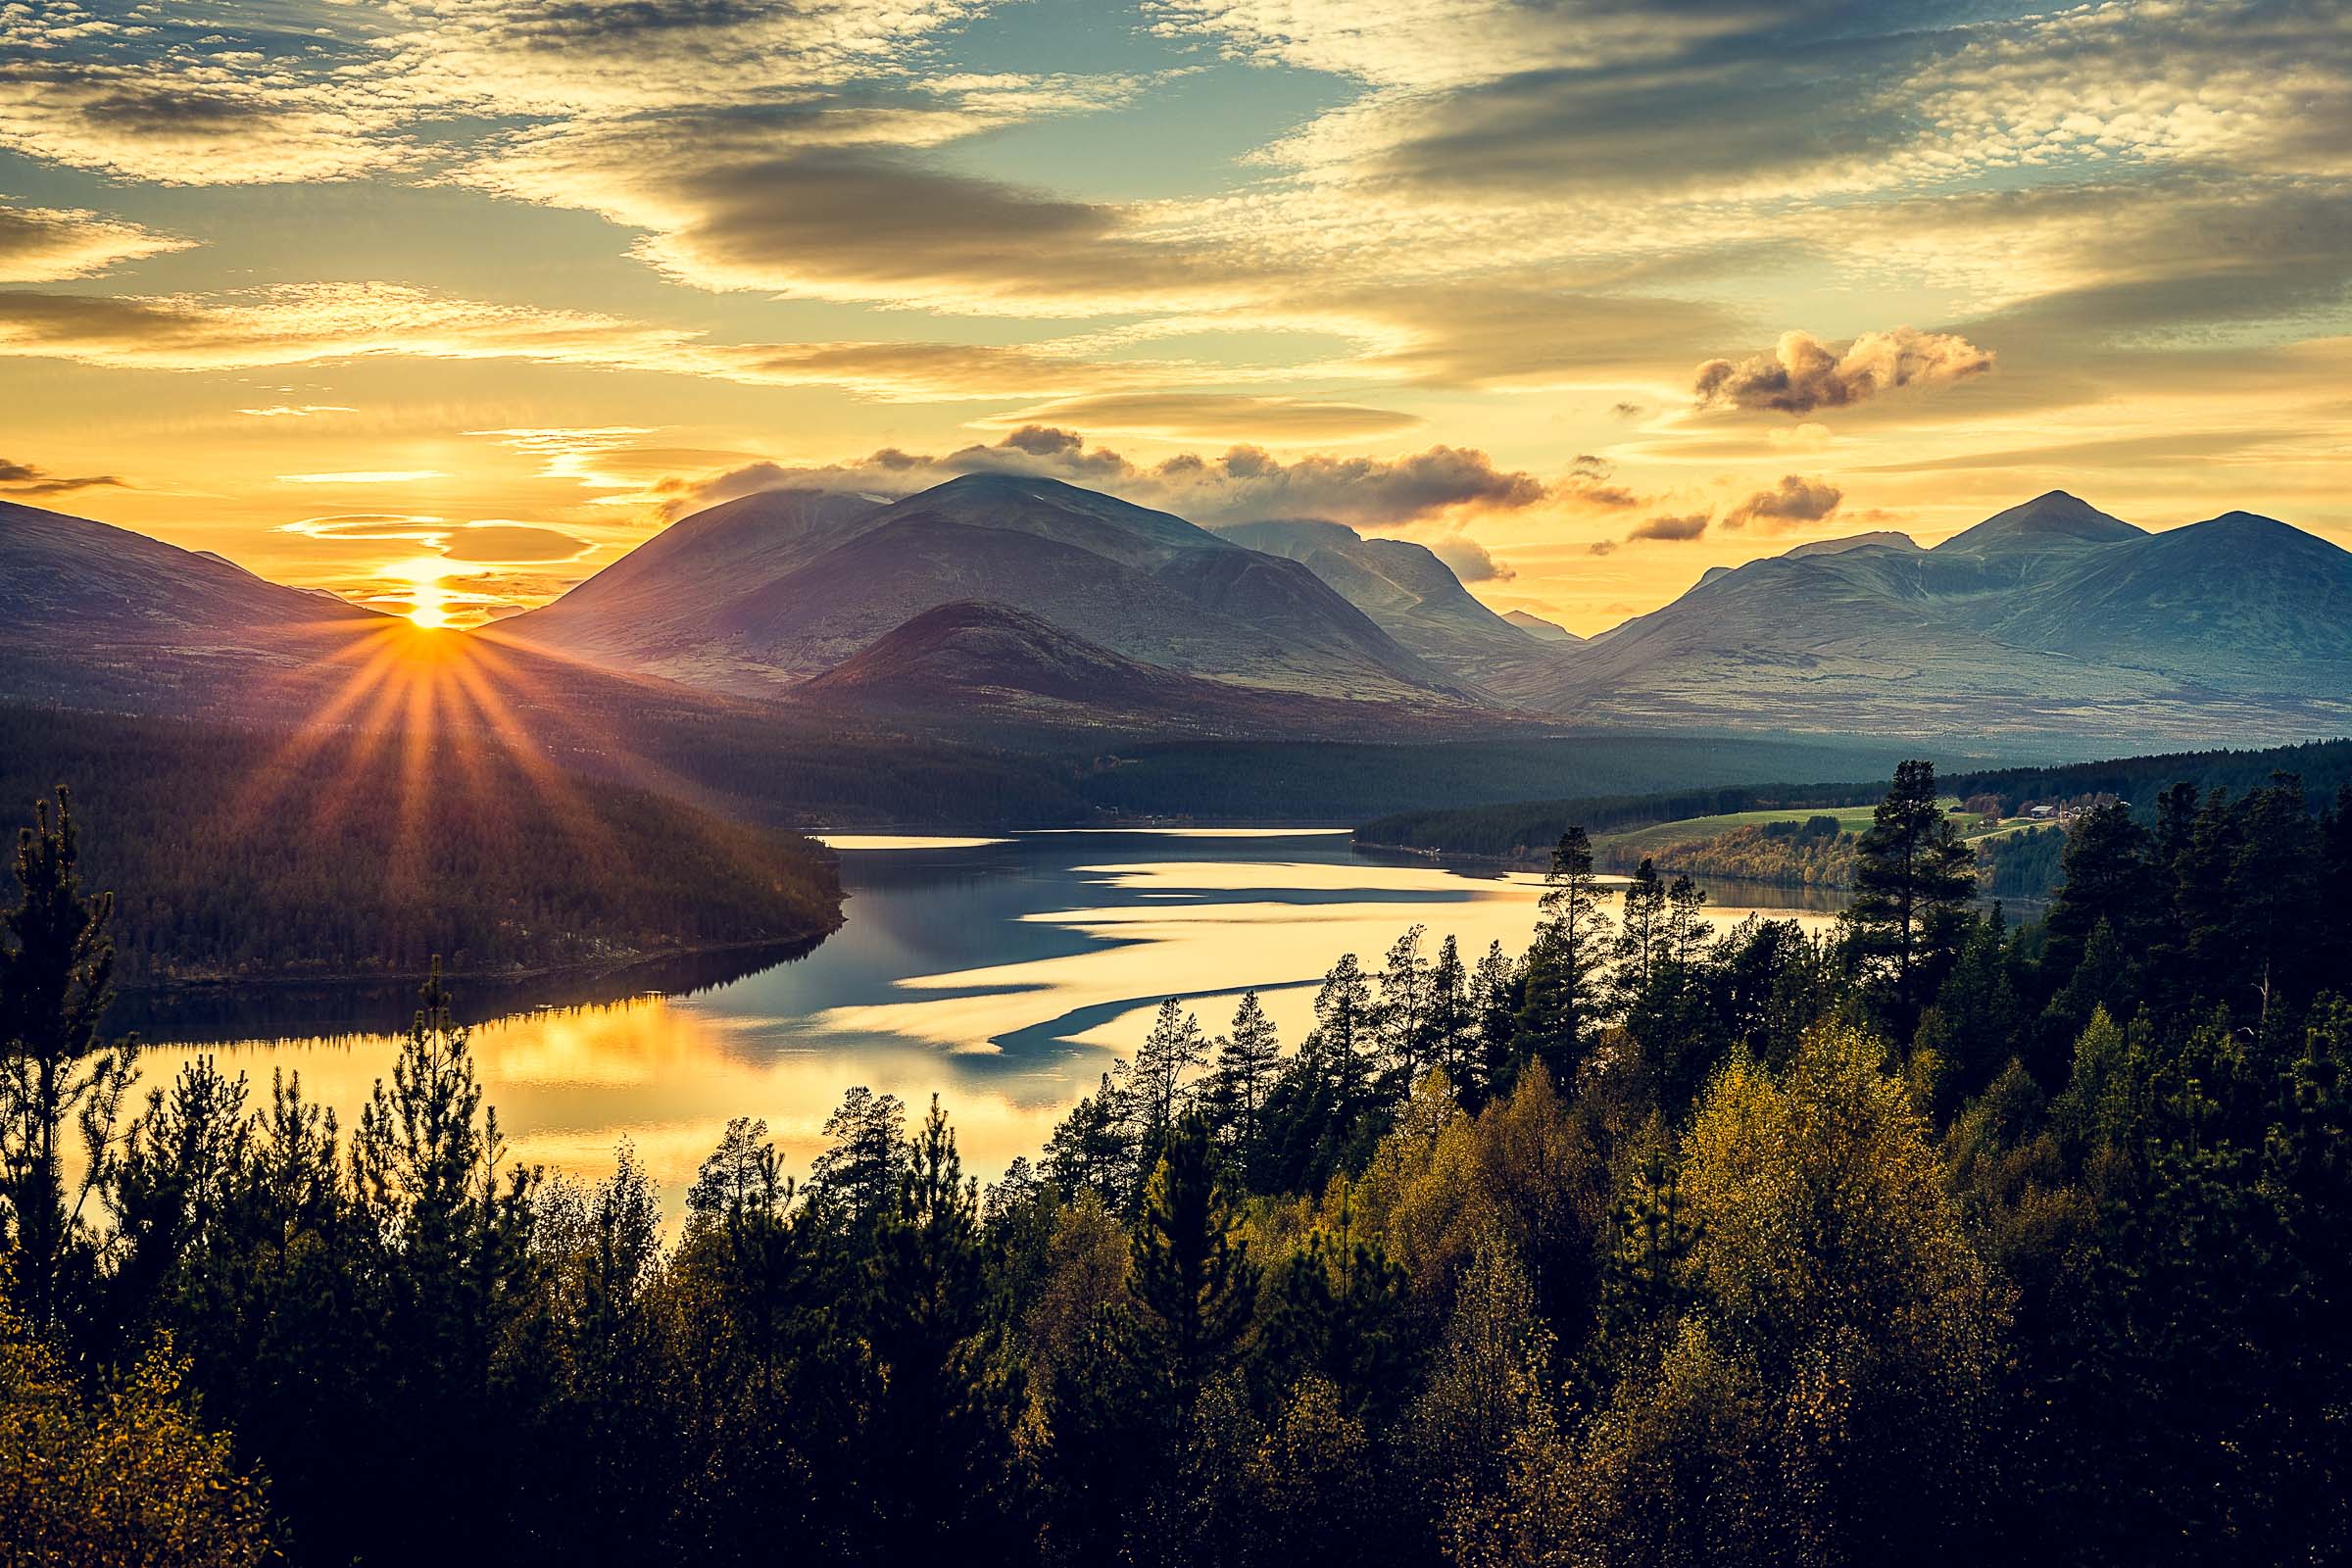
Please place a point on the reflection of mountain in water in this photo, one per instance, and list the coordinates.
(218, 1014)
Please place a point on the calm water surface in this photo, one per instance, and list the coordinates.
(1003, 974)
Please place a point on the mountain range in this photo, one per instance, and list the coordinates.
(2049, 618)
(758, 595)
(1009, 608)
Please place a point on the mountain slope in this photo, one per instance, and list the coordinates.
(2247, 603)
(101, 618)
(973, 663)
(2051, 617)
(1538, 628)
(807, 585)
(98, 615)
(1417, 599)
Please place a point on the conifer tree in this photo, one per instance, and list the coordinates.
(1247, 1059)
(1173, 1048)
(1913, 878)
(866, 1151)
(1562, 1003)
(942, 1432)
(57, 961)
(1452, 1021)
(1642, 1284)
(1193, 1281)
(1496, 995)
(1345, 1036)
(1643, 939)
(1402, 1015)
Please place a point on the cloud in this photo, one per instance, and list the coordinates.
(1214, 416)
(1469, 560)
(764, 203)
(1794, 500)
(1802, 374)
(487, 542)
(49, 244)
(1588, 484)
(514, 544)
(24, 479)
(1690, 525)
(334, 322)
(209, 117)
(364, 476)
(297, 410)
(1245, 483)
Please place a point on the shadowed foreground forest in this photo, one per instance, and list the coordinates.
(1929, 1239)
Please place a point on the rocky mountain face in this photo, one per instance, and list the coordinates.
(764, 592)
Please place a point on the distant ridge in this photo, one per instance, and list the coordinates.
(1538, 628)
(1857, 541)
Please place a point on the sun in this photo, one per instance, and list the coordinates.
(426, 594)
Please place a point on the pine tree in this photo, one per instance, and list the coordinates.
(858, 1170)
(1643, 1287)
(1496, 995)
(1913, 878)
(1345, 1036)
(942, 1432)
(57, 961)
(1194, 1285)
(1562, 1001)
(1334, 1311)
(1452, 1020)
(1246, 1059)
(1174, 1047)
(1402, 1015)
(1641, 937)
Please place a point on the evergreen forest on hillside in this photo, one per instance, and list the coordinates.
(1926, 1240)
(244, 855)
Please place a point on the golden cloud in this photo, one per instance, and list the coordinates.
(49, 244)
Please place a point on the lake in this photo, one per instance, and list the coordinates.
(1003, 974)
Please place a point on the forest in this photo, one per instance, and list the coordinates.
(246, 854)
(1928, 1239)
(1528, 827)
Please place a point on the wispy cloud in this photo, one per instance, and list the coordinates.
(25, 479)
(50, 244)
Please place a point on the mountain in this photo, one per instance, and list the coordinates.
(2051, 617)
(1854, 541)
(1538, 628)
(98, 615)
(1416, 599)
(758, 595)
(2249, 604)
(101, 618)
(2052, 521)
(974, 664)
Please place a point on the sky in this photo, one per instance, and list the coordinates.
(458, 300)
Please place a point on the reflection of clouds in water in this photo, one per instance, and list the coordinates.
(920, 994)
